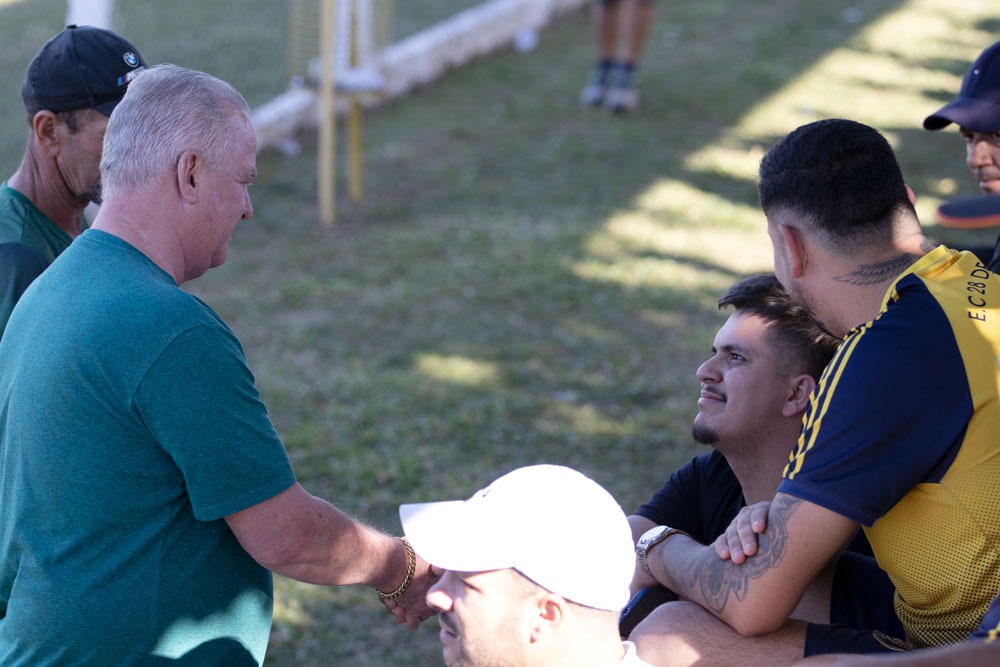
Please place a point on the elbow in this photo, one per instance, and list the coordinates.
(274, 556)
(275, 562)
(754, 623)
(272, 550)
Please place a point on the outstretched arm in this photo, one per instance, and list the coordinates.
(304, 537)
(758, 595)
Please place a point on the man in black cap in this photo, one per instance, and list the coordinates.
(69, 90)
(976, 111)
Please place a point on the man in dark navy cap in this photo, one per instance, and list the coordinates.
(69, 90)
(976, 111)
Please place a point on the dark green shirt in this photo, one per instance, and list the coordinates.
(29, 242)
(130, 427)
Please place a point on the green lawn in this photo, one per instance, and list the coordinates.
(525, 280)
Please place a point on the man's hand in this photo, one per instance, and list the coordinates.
(739, 542)
(411, 607)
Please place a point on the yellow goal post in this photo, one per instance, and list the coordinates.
(336, 46)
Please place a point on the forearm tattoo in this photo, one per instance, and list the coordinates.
(718, 579)
(879, 272)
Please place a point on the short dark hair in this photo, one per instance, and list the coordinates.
(803, 345)
(842, 178)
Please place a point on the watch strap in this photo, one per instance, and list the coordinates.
(642, 549)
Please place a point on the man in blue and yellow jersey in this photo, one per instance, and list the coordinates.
(902, 435)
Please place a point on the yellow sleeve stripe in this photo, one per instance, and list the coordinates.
(813, 419)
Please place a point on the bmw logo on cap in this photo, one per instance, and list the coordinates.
(131, 59)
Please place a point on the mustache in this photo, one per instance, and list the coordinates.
(445, 621)
(715, 392)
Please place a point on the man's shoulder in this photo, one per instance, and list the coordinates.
(22, 222)
(20, 265)
(952, 278)
(942, 308)
(103, 274)
(13, 216)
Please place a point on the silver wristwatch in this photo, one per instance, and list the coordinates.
(650, 539)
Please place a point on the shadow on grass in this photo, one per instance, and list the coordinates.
(525, 280)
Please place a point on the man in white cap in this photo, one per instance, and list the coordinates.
(535, 569)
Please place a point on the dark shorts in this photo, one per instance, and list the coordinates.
(862, 615)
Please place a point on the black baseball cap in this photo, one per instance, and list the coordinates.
(80, 68)
(977, 106)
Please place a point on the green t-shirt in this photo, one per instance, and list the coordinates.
(129, 427)
(29, 242)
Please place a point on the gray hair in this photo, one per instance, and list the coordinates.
(166, 111)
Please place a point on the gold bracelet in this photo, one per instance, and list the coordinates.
(411, 568)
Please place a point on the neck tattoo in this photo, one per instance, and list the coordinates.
(879, 272)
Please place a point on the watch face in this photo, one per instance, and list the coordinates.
(651, 534)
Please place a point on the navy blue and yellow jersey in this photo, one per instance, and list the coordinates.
(902, 435)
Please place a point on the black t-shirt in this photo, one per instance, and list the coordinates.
(702, 497)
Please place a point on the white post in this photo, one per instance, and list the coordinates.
(97, 13)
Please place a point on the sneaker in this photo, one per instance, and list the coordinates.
(621, 95)
(593, 94)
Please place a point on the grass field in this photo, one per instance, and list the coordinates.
(526, 281)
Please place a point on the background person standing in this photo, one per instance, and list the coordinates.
(70, 88)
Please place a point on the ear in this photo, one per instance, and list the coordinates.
(549, 614)
(190, 169)
(795, 247)
(43, 126)
(911, 195)
(799, 389)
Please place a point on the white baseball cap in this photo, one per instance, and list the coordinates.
(552, 524)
